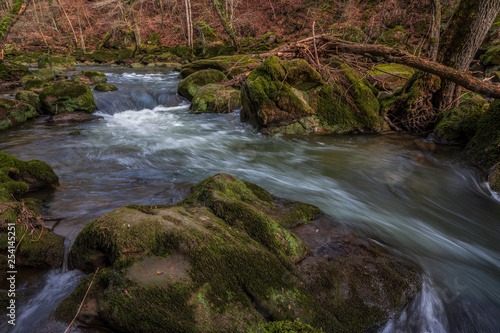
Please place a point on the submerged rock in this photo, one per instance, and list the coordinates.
(224, 259)
(13, 112)
(215, 98)
(191, 84)
(65, 97)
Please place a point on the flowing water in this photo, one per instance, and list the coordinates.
(430, 204)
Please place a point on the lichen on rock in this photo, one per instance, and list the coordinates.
(223, 259)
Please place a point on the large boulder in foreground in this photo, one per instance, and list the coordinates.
(66, 97)
(484, 148)
(225, 260)
(13, 112)
(36, 246)
(292, 98)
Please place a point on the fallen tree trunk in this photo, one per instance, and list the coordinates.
(328, 46)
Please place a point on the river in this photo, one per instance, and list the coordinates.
(425, 201)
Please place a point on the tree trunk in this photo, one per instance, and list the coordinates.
(199, 29)
(9, 20)
(189, 23)
(225, 25)
(461, 40)
(435, 29)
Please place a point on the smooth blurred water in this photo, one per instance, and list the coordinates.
(431, 204)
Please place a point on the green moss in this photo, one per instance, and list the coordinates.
(191, 84)
(484, 148)
(460, 124)
(89, 77)
(39, 247)
(287, 326)
(349, 105)
(494, 178)
(301, 75)
(64, 97)
(54, 62)
(214, 98)
(104, 87)
(492, 56)
(30, 98)
(222, 262)
(14, 112)
(18, 177)
(225, 64)
(103, 56)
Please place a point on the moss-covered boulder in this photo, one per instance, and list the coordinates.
(484, 148)
(103, 87)
(12, 71)
(103, 56)
(40, 78)
(269, 101)
(215, 98)
(492, 56)
(36, 246)
(459, 124)
(89, 77)
(229, 65)
(13, 112)
(54, 62)
(225, 260)
(65, 97)
(190, 85)
(31, 98)
(292, 98)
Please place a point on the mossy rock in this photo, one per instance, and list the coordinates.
(54, 62)
(292, 98)
(223, 260)
(224, 64)
(190, 85)
(215, 98)
(301, 75)
(459, 124)
(36, 245)
(103, 57)
(64, 97)
(484, 148)
(494, 178)
(17, 177)
(40, 78)
(269, 101)
(287, 326)
(12, 71)
(103, 87)
(31, 98)
(391, 76)
(89, 77)
(492, 56)
(347, 105)
(14, 112)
